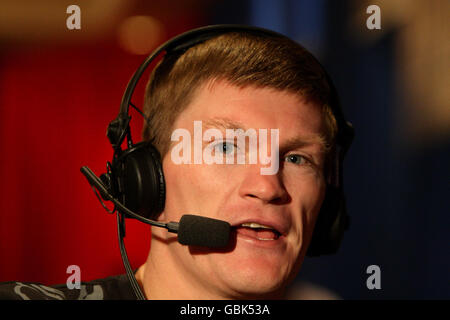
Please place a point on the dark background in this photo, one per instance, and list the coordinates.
(59, 89)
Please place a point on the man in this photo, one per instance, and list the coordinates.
(256, 86)
(239, 81)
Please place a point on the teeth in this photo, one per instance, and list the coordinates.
(255, 225)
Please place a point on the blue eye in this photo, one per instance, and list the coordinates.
(296, 159)
(224, 147)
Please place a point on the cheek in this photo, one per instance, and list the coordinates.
(192, 188)
(307, 194)
(177, 183)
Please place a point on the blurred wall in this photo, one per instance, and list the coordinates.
(393, 84)
(59, 90)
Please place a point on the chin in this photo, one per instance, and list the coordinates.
(259, 290)
(257, 280)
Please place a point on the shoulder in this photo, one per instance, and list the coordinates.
(114, 287)
(29, 291)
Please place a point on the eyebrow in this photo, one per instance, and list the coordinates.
(290, 144)
(223, 123)
(301, 142)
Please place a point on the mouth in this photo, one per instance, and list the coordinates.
(258, 231)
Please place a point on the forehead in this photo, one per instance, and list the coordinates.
(253, 107)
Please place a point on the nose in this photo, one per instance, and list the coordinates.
(267, 188)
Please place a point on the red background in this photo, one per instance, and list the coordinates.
(56, 102)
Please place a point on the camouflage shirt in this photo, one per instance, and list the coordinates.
(111, 288)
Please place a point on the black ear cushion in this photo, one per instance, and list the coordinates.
(142, 180)
(331, 223)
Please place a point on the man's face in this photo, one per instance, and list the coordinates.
(258, 261)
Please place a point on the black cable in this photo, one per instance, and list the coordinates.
(102, 192)
(101, 201)
(123, 252)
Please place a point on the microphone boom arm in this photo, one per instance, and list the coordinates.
(98, 184)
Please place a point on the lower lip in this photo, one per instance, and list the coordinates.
(260, 243)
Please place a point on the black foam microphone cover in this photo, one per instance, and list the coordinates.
(205, 232)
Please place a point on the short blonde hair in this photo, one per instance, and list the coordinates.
(242, 59)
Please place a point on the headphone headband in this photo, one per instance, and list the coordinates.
(118, 128)
(183, 42)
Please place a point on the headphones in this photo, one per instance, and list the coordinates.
(135, 176)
